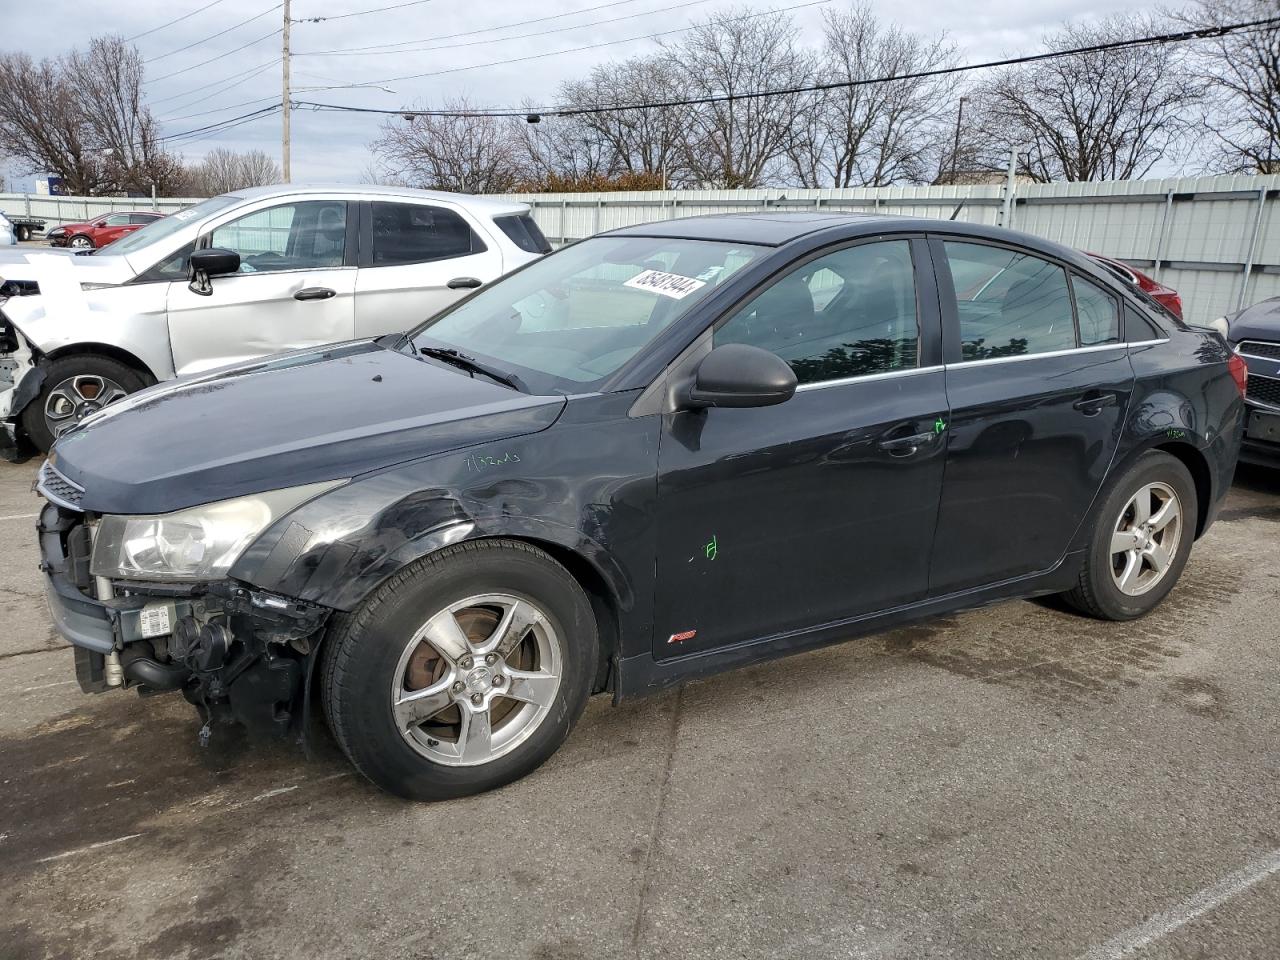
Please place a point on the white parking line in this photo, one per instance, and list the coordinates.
(92, 846)
(1196, 905)
(21, 516)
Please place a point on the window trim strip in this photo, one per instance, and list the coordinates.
(867, 377)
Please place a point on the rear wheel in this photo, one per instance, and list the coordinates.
(74, 387)
(462, 673)
(24, 233)
(1141, 540)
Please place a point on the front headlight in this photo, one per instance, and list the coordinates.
(57, 232)
(200, 543)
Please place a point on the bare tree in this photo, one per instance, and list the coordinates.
(873, 134)
(1106, 115)
(223, 170)
(81, 117)
(1243, 72)
(647, 141)
(559, 149)
(740, 142)
(472, 153)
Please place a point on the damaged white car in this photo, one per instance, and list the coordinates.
(233, 278)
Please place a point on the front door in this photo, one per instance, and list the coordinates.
(822, 508)
(294, 288)
(418, 259)
(1037, 409)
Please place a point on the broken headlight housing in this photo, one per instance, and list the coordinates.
(199, 543)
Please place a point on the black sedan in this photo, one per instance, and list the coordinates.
(1255, 333)
(657, 454)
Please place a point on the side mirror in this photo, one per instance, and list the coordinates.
(203, 264)
(738, 375)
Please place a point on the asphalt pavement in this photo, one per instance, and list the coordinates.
(1011, 782)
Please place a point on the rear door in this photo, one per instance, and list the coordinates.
(417, 257)
(113, 227)
(777, 519)
(295, 287)
(1037, 408)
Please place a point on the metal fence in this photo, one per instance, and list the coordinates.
(1216, 240)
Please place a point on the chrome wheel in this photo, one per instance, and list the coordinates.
(76, 397)
(477, 679)
(1145, 539)
(80, 243)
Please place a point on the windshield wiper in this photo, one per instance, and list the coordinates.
(450, 355)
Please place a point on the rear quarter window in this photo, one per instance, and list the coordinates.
(521, 230)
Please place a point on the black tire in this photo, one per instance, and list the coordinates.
(362, 650)
(1096, 592)
(24, 233)
(34, 423)
(88, 242)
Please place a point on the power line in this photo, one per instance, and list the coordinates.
(204, 92)
(214, 36)
(223, 124)
(185, 16)
(590, 46)
(1183, 36)
(205, 113)
(196, 66)
(384, 47)
(361, 13)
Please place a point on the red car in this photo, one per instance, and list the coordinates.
(1167, 297)
(101, 230)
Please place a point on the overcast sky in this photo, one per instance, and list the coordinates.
(333, 147)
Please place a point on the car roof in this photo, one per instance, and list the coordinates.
(491, 205)
(777, 229)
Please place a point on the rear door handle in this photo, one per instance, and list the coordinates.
(1092, 405)
(463, 283)
(906, 446)
(315, 293)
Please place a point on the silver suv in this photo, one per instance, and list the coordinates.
(289, 267)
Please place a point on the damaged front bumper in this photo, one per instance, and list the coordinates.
(21, 377)
(235, 652)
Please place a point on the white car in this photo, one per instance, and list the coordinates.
(287, 267)
(8, 235)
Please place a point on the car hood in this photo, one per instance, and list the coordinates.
(1258, 322)
(320, 414)
(54, 268)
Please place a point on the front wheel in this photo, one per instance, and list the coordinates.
(75, 387)
(462, 673)
(1141, 540)
(80, 242)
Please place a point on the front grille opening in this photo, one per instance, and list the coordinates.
(1260, 348)
(57, 488)
(1263, 390)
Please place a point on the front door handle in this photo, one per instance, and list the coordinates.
(463, 283)
(906, 446)
(1091, 405)
(315, 293)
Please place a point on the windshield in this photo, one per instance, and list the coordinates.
(569, 320)
(157, 230)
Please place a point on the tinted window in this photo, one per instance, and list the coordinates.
(143, 217)
(294, 236)
(414, 233)
(849, 313)
(1097, 312)
(116, 220)
(523, 232)
(1009, 303)
(1138, 327)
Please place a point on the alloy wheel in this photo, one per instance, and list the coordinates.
(477, 679)
(1145, 539)
(76, 397)
(80, 243)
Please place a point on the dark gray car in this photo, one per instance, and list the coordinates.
(1255, 333)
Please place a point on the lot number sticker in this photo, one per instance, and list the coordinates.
(667, 284)
(153, 620)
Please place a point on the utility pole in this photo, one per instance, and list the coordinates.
(955, 148)
(284, 101)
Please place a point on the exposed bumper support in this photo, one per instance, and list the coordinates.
(80, 620)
